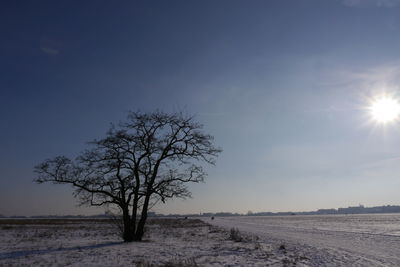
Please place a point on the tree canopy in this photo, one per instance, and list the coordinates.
(147, 158)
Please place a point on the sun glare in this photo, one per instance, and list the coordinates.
(385, 109)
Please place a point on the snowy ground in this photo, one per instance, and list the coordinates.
(334, 240)
(168, 242)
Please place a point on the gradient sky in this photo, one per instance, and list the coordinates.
(282, 85)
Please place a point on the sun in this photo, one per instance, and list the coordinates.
(385, 109)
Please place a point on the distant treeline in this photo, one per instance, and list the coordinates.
(349, 210)
(100, 216)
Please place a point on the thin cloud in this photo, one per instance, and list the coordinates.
(50, 50)
(49, 46)
(379, 79)
(371, 3)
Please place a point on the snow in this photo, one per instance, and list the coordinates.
(168, 242)
(332, 240)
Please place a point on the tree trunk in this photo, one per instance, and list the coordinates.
(128, 233)
(142, 221)
(134, 210)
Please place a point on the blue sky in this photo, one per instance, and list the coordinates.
(282, 85)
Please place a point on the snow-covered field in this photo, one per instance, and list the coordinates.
(332, 240)
(168, 242)
(335, 240)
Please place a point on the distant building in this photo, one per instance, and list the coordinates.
(352, 210)
(327, 211)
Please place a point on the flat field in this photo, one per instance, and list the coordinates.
(167, 242)
(332, 240)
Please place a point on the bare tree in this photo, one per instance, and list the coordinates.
(146, 159)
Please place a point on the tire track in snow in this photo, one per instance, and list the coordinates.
(323, 247)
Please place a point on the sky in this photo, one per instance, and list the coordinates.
(283, 86)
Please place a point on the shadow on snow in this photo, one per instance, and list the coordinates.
(21, 253)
